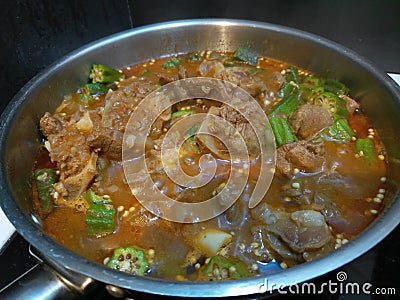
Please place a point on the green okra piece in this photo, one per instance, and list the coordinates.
(171, 63)
(244, 55)
(180, 113)
(95, 88)
(104, 74)
(130, 260)
(286, 106)
(334, 104)
(100, 219)
(336, 87)
(282, 131)
(45, 180)
(366, 149)
(234, 269)
(340, 131)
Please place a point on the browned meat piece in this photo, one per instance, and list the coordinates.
(305, 156)
(165, 79)
(217, 127)
(241, 77)
(211, 69)
(182, 73)
(75, 161)
(107, 141)
(107, 133)
(351, 104)
(236, 75)
(309, 119)
(275, 80)
(50, 124)
(303, 230)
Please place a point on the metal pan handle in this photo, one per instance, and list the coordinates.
(44, 282)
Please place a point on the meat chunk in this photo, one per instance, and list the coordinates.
(108, 129)
(211, 69)
(75, 161)
(217, 127)
(237, 75)
(351, 104)
(298, 236)
(275, 80)
(307, 157)
(241, 77)
(182, 72)
(308, 120)
(50, 124)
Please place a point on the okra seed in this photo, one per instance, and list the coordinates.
(287, 199)
(283, 265)
(296, 185)
(232, 269)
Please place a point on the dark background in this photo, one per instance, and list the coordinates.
(35, 33)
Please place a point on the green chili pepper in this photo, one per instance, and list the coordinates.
(332, 103)
(45, 179)
(104, 74)
(220, 267)
(282, 131)
(171, 63)
(286, 106)
(335, 87)
(130, 260)
(340, 131)
(100, 219)
(244, 55)
(366, 149)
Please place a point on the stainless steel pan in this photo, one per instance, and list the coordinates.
(378, 94)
